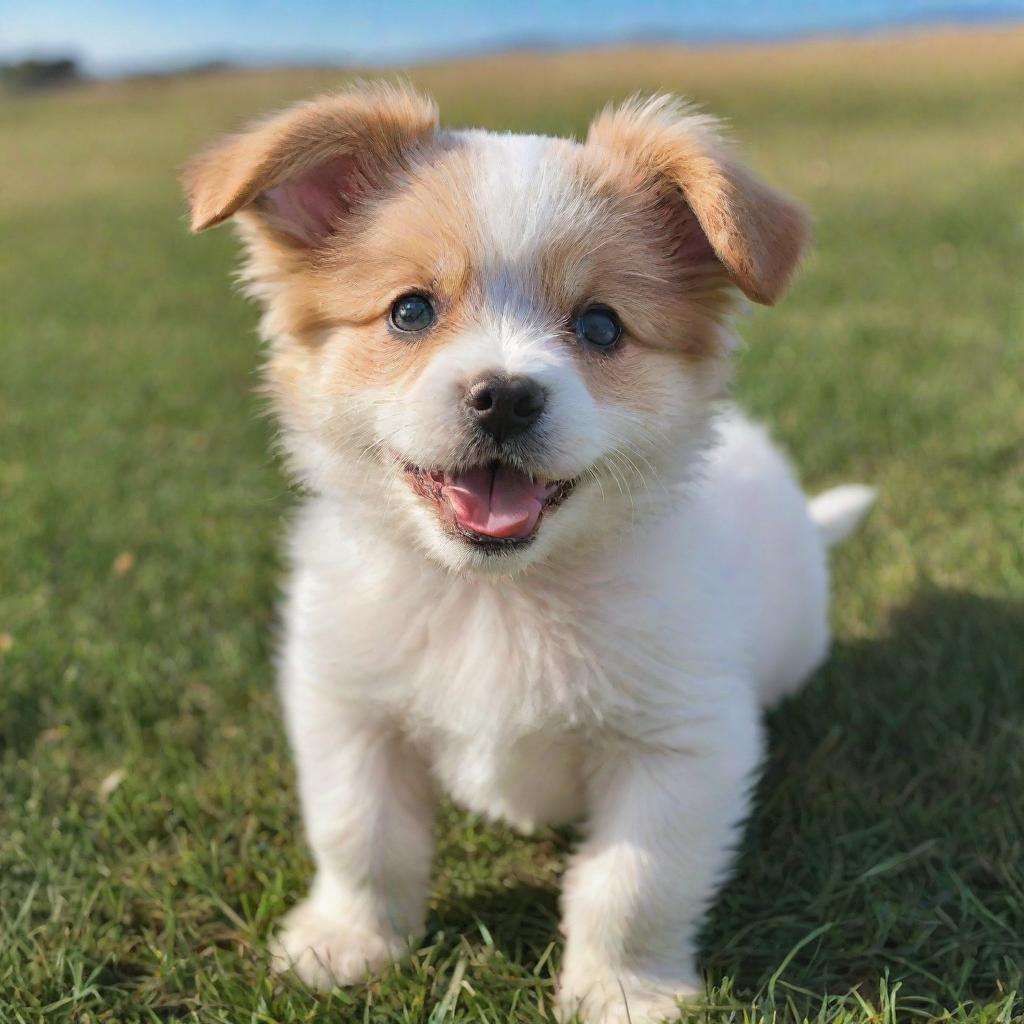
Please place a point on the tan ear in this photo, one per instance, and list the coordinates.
(303, 168)
(756, 233)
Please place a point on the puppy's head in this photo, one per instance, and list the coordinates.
(494, 344)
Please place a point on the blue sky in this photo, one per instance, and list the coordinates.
(118, 35)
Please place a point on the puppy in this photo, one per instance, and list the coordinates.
(542, 567)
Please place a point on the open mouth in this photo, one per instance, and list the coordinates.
(494, 507)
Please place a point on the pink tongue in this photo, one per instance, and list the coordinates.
(501, 502)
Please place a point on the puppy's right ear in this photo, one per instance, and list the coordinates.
(302, 171)
(755, 233)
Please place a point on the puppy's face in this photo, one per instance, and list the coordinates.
(496, 344)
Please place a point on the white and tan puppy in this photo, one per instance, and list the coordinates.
(543, 568)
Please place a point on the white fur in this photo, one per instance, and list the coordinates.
(838, 512)
(613, 673)
(623, 689)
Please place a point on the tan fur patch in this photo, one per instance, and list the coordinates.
(757, 233)
(377, 122)
(664, 301)
(411, 238)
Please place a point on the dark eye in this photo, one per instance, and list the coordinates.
(599, 327)
(412, 313)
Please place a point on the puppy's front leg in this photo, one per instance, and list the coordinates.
(368, 805)
(662, 825)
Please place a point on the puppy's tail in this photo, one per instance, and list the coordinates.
(839, 511)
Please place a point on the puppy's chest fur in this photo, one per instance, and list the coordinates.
(501, 684)
(516, 686)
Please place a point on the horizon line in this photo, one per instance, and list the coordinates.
(176, 63)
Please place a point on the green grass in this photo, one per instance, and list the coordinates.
(883, 874)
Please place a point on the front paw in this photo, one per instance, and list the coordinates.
(328, 951)
(604, 996)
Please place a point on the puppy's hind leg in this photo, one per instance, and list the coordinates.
(368, 806)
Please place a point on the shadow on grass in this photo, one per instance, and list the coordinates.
(890, 819)
(887, 835)
(520, 920)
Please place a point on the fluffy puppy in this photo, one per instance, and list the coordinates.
(542, 566)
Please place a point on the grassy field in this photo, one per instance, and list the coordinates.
(148, 826)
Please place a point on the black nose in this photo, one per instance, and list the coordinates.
(505, 406)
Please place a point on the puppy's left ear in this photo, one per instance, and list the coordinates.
(757, 234)
(301, 172)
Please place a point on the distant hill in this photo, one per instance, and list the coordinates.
(31, 75)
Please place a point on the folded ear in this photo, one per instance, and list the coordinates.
(303, 169)
(756, 233)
